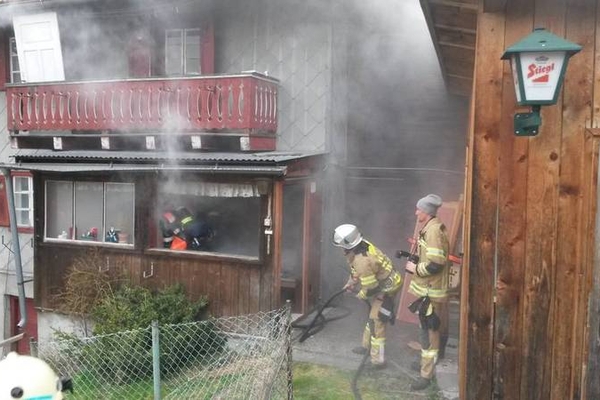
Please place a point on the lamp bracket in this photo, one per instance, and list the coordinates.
(527, 124)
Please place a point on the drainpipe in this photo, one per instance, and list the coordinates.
(15, 245)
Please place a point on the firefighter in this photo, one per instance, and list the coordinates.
(26, 377)
(430, 284)
(373, 272)
(169, 226)
(197, 233)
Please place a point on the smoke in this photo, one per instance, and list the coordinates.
(358, 79)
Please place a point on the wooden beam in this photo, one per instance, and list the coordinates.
(494, 6)
(447, 3)
(469, 78)
(459, 46)
(456, 29)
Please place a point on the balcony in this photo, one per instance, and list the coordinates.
(244, 104)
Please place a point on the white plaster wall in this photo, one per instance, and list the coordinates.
(8, 281)
(51, 322)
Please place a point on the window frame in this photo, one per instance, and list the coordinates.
(12, 45)
(102, 239)
(30, 207)
(152, 246)
(183, 51)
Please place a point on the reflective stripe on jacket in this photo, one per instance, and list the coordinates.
(374, 271)
(432, 246)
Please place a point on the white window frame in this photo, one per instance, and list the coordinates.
(183, 34)
(29, 207)
(15, 74)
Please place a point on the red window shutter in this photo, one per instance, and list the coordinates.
(207, 50)
(4, 59)
(4, 218)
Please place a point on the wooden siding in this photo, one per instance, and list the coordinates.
(233, 288)
(532, 219)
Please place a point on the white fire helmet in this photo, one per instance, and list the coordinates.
(346, 236)
(26, 377)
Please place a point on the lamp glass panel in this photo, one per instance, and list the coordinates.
(541, 74)
(513, 65)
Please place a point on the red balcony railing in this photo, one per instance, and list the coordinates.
(245, 102)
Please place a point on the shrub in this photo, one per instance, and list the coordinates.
(123, 347)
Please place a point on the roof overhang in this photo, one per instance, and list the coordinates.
(453, 29)
(262, 163)
(90, 168)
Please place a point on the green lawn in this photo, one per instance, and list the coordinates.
(317, 382)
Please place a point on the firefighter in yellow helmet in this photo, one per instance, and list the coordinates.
(430, 284)
(373, 272)
(29, 378)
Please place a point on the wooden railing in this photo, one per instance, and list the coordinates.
(245, 102)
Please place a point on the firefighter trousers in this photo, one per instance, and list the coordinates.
(376, 338)
(430, 340)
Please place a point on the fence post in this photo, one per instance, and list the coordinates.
(156, 359)
(288, 343)
(33, 348)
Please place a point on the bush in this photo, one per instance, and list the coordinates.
(123, 348)
(136, 307)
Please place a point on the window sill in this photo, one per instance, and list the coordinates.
(207, 255)
(88, 243)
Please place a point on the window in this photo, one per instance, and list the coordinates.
(15, 70)
(23, 193)
(213, 217)
(90, 211)
(182, 52)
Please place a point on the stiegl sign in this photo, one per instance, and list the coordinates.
(542, 73)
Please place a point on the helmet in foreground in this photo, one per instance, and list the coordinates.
(26, 377)
(346, 236)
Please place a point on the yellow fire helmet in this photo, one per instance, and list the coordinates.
(28, 378)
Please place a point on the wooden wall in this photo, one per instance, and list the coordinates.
(233, 288)
(531, 218)
(234, 285)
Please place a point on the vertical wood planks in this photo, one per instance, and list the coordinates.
(482, 229)
(542, 205)
(511, 237)
(580, 22)
(588, 350)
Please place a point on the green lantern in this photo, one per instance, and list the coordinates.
(538, 63)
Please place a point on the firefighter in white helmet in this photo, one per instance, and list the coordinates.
(28, 378)
(379, 282)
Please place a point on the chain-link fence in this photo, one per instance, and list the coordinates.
(244, 357)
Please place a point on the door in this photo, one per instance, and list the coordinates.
(38, 47)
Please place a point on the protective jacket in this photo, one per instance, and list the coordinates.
(375, 273)
(431, 274)
(379, 283)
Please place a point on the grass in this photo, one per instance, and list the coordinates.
(318, 382)
(311, 382)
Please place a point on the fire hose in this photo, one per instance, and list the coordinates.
(366, 356)
(319, 321)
